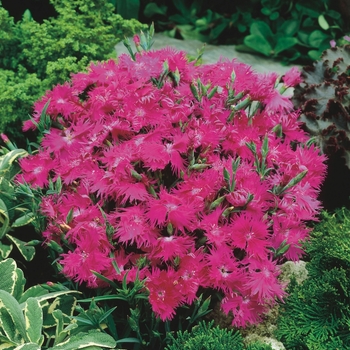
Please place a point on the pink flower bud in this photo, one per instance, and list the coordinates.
(136, 40)
(5, 138)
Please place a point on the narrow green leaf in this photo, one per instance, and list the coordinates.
(33, 316)
(295, 180)
(23, 220)
(227, 177)
(58, 316)
(19, 285)
(128, 340)
(203, 309)
(26, 251)
(282, 249)
(105, 279)
(217, 202)
(194, 91)
(69, 216)
(106, 314)
(265, 147)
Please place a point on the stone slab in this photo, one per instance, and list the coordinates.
(213, 53)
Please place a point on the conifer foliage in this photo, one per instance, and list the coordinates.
(316, 314)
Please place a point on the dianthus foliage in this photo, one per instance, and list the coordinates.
(316, 314)
(187, 177)
(35, 56)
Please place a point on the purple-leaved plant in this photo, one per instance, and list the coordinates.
(184, 175)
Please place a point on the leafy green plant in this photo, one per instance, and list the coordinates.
(35, 56)
(286, 30)
(27, 316)
(134, 316)
(300, 31)
(206, 337)
(13, 214)
(317, 312)
(324, 101)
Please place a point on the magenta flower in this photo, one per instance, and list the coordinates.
(189, 177)
(165, 293)
(292, 77)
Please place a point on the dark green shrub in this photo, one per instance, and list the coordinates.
(206, 337)
(35, 56)
(316, 315)
(288, 30)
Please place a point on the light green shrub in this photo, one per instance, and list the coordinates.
(34, 56)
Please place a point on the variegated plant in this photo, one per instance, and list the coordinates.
(14, 212)
(41, 319)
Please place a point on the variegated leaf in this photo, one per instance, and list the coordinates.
(27, 252)
(8, 275)
(12, 320)
(33, 292)
(23, 220)
(28, 346)
(4, 219)
(33, 316)
(5, 250)
(88, 340)
(7, 160)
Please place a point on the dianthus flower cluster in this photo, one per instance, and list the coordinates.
(187, 176)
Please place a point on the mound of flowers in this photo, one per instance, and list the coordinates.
(189, 177)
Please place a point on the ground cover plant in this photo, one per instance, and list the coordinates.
(317, 312)
(164, 180)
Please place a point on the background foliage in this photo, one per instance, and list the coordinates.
(35, 56)
(289, 30)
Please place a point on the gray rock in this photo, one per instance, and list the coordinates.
(213, 53)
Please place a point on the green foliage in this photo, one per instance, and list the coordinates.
(134, 321)
(35, 56)
(316, 314)
(324, 101)
(274, 28)
(29, 318)
(12, 213)
(206, 337)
